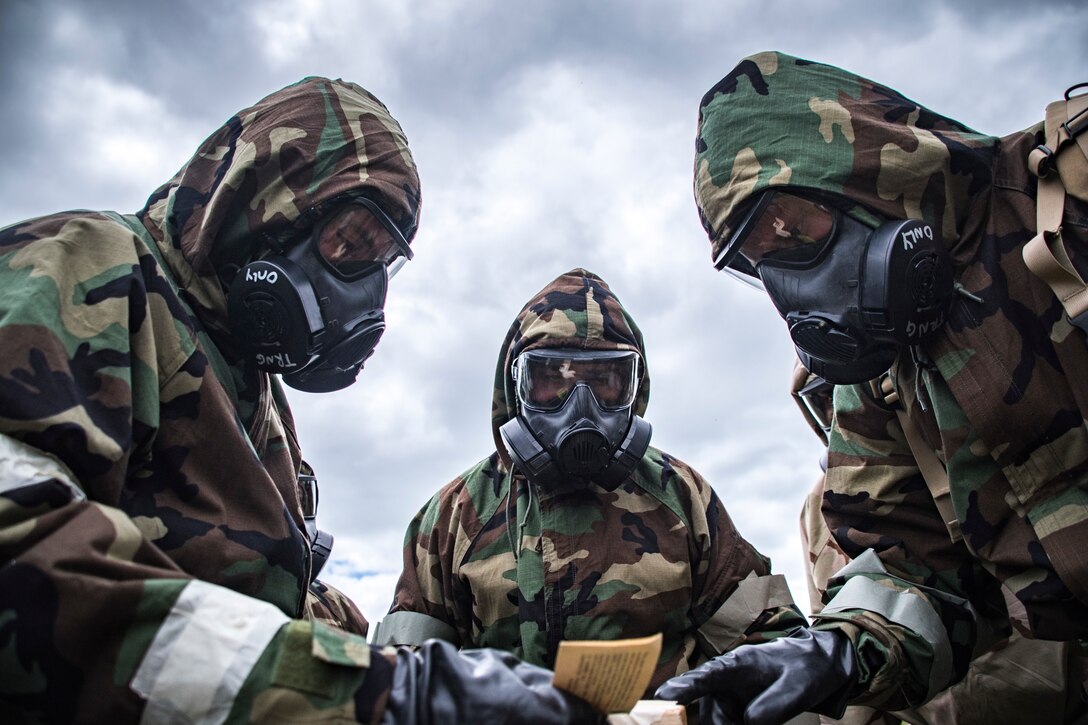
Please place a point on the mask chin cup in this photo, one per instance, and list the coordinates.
(585, 449)
(322, 379)
(339, 368)
(859, 370)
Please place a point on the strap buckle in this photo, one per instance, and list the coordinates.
(1073, 126)
(1080, 321)
(1041, 161)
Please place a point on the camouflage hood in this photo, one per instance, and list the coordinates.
(776, 120)
(268, 173)
(576, 310)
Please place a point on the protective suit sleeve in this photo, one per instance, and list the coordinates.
(760, 609)
(736, 599)
(426, 600)
(83, 592)
(103, 400)
(901, 601)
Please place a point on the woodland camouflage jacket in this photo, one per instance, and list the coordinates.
(1020, 680)
(154, 557)
(1001, 395)
(657, 554)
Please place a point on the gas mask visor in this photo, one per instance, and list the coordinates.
(358, 236)
(314, 311)
(546, 378)
(852, 294)
(778, 228)
(320, 541)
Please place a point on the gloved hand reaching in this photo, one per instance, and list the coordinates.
(438, 684)
(763, 684)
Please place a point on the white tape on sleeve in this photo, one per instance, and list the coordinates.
(412, 628)
(24, 465)
(203, 653)
(906, 609)
(753, 596)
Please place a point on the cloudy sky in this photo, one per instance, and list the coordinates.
(549, 136)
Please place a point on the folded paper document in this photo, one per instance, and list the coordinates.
(611, 675)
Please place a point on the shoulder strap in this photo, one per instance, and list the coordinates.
(930, 466)
(1060, 171)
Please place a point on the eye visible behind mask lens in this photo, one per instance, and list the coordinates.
(545, 378)
(358, 236)
(780, 228)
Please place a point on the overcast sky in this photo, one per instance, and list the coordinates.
(548, 135)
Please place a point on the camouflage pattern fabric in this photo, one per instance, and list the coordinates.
(149, 504)
(993, 397)
(1020, 680)
(325, 603)
(778, 121)
(515, 568)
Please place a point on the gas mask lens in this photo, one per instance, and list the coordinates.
(546, 378)
(358, 236)
(779, 228)
(308, 495)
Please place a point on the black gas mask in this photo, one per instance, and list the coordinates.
(575, 418)
(851, 295)
(315, 313)
(320, 541)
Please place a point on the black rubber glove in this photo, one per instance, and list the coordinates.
(762, 684)
(439, 684)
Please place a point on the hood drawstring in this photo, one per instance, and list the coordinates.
(922, 365)
(960, 289)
